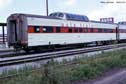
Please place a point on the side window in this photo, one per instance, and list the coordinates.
(57, 29)
(99, 30)
(51, 15)
(55, 14)
(68, 17)
(105, 30)
(37, 29)
(60, 15)
(47, 29)
(44, 29)
(85, 30)
(81, 30)
(76, 30)
(70, 30)
(111, 31)
(92, 30)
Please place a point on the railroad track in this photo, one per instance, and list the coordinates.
(44, 56)
(6, 50)
(11, 53)
(15, 53)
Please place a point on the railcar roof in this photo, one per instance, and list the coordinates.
(37, 16)
(102, 22)
(70, 16)
(49, 17)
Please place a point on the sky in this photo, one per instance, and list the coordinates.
(94, 9)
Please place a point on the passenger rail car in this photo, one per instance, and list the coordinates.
(122, 32)
(31, 31)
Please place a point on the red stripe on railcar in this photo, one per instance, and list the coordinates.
(54, 29)
(30, 29)
(114, 30)
(41, 29)
(73, 30)
(64, 30)
(95, 30)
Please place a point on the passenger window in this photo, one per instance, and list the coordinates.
(91, 30)
(68, 16)
(51, 15)
(70, 30)
(47, 29)
(57, 29)
(44, 29)
(81, 30)
(85, 30)
(37, 29)
(60, 15)
(105, 30)
(111, 31)
(99, 30)
(76, 30)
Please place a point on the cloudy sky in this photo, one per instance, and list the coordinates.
(92, 8)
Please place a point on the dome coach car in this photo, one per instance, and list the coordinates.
(68, 16)
(28, 31)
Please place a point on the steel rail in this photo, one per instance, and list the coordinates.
(45, 56)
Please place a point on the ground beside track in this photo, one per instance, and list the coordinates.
(112, 76)
(68, 72)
